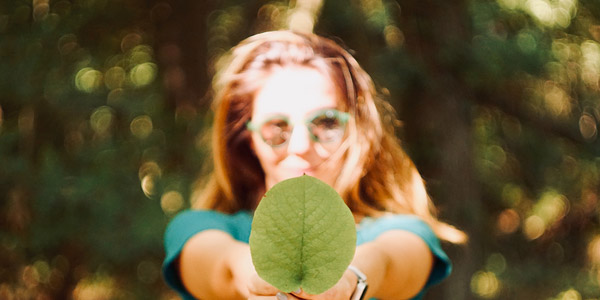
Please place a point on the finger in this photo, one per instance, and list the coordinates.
(278, 296)
(258, 286)
(301, 294)
(262, 298)
(284, 296)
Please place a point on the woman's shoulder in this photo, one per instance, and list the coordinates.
(205, 215)
(209, 212)
(191, 221)
(371, 227)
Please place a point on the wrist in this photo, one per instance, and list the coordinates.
(360, 285)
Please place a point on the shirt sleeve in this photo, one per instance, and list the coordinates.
(187, 224)
(375, 227)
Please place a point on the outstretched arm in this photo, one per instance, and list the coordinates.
(397, 265)
(212, 262)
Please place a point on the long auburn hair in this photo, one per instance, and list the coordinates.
(377, 176)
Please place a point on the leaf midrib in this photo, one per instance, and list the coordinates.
(302, 263)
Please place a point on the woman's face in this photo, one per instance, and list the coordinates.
(294, 95)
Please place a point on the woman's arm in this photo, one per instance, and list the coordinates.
(212, 262)
(397, 264)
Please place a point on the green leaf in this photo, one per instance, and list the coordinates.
(303, 235)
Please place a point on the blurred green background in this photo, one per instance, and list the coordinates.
(104, 106)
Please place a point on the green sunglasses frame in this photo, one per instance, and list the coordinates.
(340, 115)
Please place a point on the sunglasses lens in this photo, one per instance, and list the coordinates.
(327, 127)
(275, 131)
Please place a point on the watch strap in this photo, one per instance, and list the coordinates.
(361, 285)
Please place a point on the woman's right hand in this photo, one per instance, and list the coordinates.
(260, 289)
(242, 269)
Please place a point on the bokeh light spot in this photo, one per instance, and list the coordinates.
(115, 78)
(148, 173)
(272, 16)
(148, 185)
(394, 38)
(143, 74)
(542, 10)
(96, 287)
(41, 8)
(511, 127)
(561, 17)
(115, 97)
(512, 194)
(497, 155)
(141, 54)
(141, 127)
(485, 284)
(593, 251)
(67, 43)
(556, 100)
(551, 207)
(590, 63)
(101, 119)
(88, 80)
(587, 127)
(526, 42)
(30, 277)
(43, 269)
(130, 40)
(534, 227)
(149, 168)
(508, 221)
(171, 202)
(301, 20)
(570, 294)
(496, 263)
(509, 4)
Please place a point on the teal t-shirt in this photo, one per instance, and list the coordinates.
(190, 222)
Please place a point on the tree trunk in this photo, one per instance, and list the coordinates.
(438, 121)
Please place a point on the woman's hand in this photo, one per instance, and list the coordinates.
(260, 289)
(342, 290)
(242, 270)
(245, 279)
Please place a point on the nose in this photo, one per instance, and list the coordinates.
(300, 141)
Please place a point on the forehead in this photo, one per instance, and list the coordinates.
(295, 91)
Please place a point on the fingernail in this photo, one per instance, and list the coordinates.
(281, 296)
(298, 291)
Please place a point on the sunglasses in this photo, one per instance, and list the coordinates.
(324, 126)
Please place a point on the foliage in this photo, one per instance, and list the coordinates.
(103, 107)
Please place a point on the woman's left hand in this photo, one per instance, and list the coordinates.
(342, 290)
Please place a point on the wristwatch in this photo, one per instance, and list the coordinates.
(361, 285)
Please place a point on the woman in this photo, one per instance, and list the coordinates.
(289, 104)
